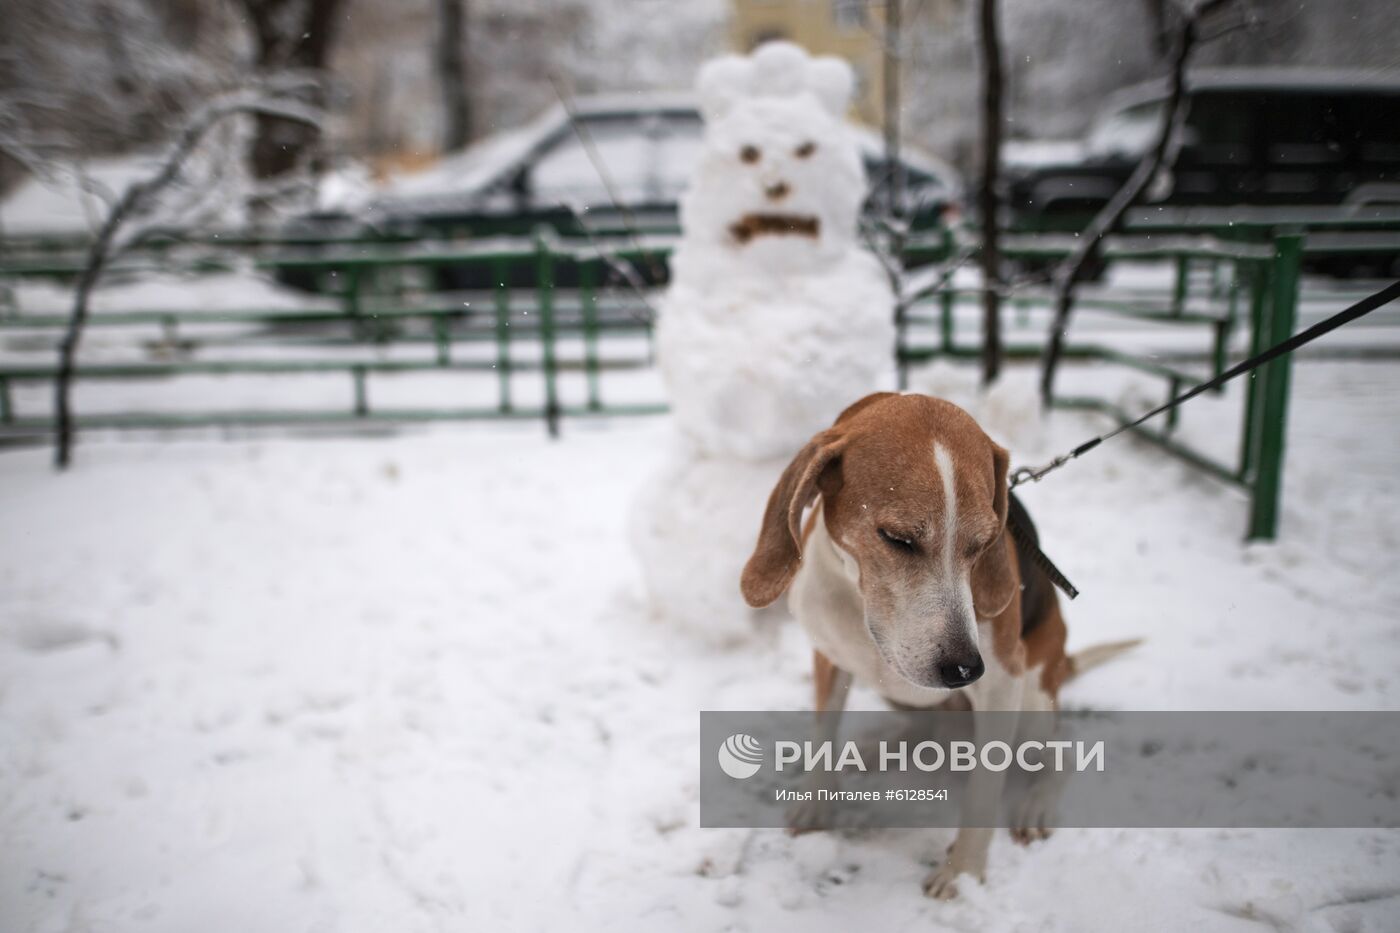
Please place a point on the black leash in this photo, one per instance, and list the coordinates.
(1026, 538)
(1018, 522)
(1346, 316)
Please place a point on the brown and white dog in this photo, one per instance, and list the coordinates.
(906, 578)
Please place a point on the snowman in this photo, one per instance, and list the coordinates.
(775, 320)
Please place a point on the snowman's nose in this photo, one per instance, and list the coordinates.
(776, 191)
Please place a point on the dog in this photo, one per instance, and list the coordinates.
(907, 579)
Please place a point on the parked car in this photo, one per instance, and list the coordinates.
(1262, 137)
(513, 182)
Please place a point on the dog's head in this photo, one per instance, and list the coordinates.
(914, 497)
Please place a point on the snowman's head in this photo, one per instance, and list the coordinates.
(779, 183)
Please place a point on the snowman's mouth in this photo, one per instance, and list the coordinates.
(749, 226)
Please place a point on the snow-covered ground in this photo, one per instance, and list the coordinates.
(409, 684)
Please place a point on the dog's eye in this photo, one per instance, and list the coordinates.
(749, 154)
(896, 541)
(805, 150)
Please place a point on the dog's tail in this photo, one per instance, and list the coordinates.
(1094, 655)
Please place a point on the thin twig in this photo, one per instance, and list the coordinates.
(1161, 159)
(624, 269)
(585, 138)
(135, 201)
(988, 196)
(950, 268)
(892, 61)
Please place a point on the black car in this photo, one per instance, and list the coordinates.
(1263, 137)
(544, 175)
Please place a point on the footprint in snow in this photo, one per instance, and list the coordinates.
(46, 636)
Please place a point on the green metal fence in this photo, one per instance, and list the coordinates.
(370, 317)
(1247, 285)
(568, 314)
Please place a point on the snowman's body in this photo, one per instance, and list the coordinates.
(757, 364)
(775, 319)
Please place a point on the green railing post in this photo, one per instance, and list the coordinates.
(1225, 328)
(544, 267)
(442, 337)
(502, 290)
(1214, 288)
(901, 348)
(1183, 284)
(589, 300)
(7, 409)
(352, 291)
(1260, 277)
(945, 319)
(1173, 414)
(1273, 415)
(1220, 350)
(361, 396)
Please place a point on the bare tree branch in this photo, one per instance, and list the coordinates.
(452, 74)
(138, 200)
(288, 36)
(988, 197)
(595, 158)
(892, 61)
(619, 267)
(1154, 167)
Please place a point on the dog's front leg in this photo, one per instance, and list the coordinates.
(1033, 816)
(833, 685)
(998, 693)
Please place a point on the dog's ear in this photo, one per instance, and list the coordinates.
(993, 582)
(778, 552)
(861, 404)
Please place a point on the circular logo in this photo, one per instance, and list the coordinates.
(741, 756)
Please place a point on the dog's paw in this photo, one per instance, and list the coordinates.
(1032, 817)
(1025, 835)
(808, 816)
(965, 861)
(942, 883)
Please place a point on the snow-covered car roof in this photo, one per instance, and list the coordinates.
(490, 160)
(1041, 153)
(1298, 80)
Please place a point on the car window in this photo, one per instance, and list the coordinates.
(647, 158)
(678, 149)
(921, 189)
(1221, 129)
(1370, 128)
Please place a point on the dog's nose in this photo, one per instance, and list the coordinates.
(776, 191)
(962, 672)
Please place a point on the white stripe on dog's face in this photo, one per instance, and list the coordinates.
(944, 461)
(951, 578)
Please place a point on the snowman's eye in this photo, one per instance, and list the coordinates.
(806, 149)
(749, 154)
